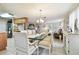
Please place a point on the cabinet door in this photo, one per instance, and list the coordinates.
(3, 41)
(73, 44)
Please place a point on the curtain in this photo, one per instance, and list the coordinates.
(72, 19)
(77, 19)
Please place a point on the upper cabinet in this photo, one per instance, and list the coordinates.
(20, 23)
(21, 20)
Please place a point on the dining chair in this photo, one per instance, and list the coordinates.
(22, 44)
(46, 43)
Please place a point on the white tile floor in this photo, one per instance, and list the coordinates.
(10, 50)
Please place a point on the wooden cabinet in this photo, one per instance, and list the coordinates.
(20, 22)
(3, 40)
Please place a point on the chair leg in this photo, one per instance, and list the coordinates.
(50, 50)
(60, 37)
(38, 48)
(15, 53)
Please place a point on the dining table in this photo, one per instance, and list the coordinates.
(38, 38)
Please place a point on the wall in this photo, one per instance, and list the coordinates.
(3, 24)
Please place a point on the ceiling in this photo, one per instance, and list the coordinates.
(31, 10)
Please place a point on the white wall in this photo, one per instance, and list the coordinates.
(3, 24)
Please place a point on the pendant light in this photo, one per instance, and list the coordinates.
(40, 20)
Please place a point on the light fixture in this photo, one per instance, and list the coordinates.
(6, 15)
(40, 20)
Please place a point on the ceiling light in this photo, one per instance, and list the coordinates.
(6, 15)
(40, 20)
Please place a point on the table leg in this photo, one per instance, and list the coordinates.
(38, 48)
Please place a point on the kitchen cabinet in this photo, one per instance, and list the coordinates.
(20, 23)
(3, 40)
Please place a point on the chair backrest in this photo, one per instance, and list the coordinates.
(72, 42)
(21, 41)
(31, 32)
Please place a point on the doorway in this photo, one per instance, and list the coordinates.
(9, 28)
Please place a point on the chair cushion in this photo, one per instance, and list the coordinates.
(46, 41)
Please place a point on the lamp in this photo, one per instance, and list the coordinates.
(40, 20)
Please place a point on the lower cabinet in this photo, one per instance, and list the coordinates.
(3, 40)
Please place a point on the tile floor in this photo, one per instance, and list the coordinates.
(10, 50)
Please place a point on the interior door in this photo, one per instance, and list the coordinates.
(73, 44)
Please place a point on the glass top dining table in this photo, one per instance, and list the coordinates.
(40, 37)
